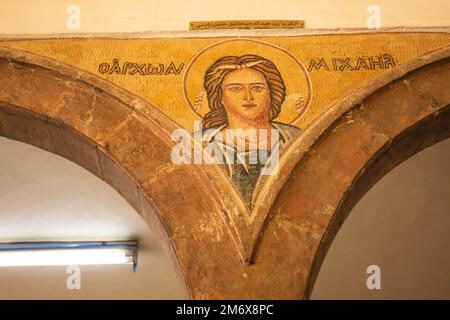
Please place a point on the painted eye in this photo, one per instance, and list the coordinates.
(235, 89)
(258, 88)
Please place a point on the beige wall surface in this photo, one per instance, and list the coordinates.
(50, 16)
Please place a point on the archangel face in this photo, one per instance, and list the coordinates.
(246, 95)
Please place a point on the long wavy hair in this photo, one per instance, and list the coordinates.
(215, 74)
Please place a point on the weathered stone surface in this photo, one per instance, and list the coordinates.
(22, 125)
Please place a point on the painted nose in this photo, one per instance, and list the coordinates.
(248, 94)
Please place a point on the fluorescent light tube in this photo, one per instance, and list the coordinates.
(56, 254)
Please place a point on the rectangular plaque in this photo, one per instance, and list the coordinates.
(247, 24)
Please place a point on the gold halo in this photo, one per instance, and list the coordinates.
(295, 76)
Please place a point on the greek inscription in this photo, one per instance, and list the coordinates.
(140, 69)
(379, 62)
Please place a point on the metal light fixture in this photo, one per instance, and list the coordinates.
(68, 253)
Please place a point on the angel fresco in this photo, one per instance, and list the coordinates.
(245, 92)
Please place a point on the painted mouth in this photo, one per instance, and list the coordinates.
(249, 105)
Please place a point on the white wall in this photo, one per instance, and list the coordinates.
(49, 16)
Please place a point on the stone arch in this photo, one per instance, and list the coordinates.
(353, 145)
(115, 135)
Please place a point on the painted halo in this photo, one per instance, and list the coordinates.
(295, 76)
